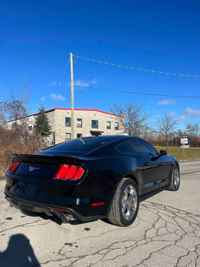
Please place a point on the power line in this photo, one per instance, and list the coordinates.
(146, 93)
(141, 69)
(160, 94)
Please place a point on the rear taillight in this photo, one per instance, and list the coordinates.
(13, 166)
(69, 172)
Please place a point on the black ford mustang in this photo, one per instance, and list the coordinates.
(90, 178)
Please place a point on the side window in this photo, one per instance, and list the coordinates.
(140, 147)
(152, 150)
(136, 146)
(144, 148)
(125, 147)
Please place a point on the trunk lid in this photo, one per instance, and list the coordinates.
(42, 166)
(33, 178)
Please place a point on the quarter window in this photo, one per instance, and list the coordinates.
(95, 124)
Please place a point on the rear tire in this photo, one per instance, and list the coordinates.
(125, 203)
(175, 179)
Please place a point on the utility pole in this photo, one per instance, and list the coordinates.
(72, 94)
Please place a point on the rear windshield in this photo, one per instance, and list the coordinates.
(78, 146)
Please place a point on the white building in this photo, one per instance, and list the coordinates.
(88, 122)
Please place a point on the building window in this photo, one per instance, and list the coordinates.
(67, 122)
(30, 127)
(95, 124)
(67, 136)
(79, 135)
(79, 123)
(116, 125)
(108, 125)
(53, 138)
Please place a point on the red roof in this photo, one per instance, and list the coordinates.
(88, 109)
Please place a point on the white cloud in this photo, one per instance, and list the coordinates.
(82, 83)
(171, 114)
(78, 83)
(180, 118)
(166, 102)
(43, 98)
(192, 112)
(57, 97)
(55, 84)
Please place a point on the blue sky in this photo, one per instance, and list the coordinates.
(36, 37)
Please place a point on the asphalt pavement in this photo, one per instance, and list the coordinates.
(166, 233)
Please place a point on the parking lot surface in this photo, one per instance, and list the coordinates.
(166, 233)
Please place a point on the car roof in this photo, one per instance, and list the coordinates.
(84, 145)
(87, 145)
(112, 138)
(107, 138)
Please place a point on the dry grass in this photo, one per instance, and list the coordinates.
(12, 142)
(192, 153)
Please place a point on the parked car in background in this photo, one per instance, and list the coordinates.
(90, 178)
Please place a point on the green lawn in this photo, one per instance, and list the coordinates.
(192, 153)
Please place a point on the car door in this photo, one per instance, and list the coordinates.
(157, 166)
(148, 166)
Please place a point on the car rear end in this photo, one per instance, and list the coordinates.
(70, 180)
(50, 186)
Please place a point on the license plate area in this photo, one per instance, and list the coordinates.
(38, 171)
(21, 189)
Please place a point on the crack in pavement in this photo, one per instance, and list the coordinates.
(167, 232)
(21, 225)
(162, 235)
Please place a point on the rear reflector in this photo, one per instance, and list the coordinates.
(13, 166)
(97, 204)
(69, 173)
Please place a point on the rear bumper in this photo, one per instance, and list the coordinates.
(56, 213)
(55, 199)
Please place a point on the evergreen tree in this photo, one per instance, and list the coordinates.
(42, 126)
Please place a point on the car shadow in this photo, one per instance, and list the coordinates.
(19, 253)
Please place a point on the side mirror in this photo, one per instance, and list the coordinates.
(163, 152)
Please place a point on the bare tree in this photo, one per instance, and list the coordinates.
(2, 117)
(167, 126)
(16, 139)
(132, 118)
(14, 109)
(192, 129)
